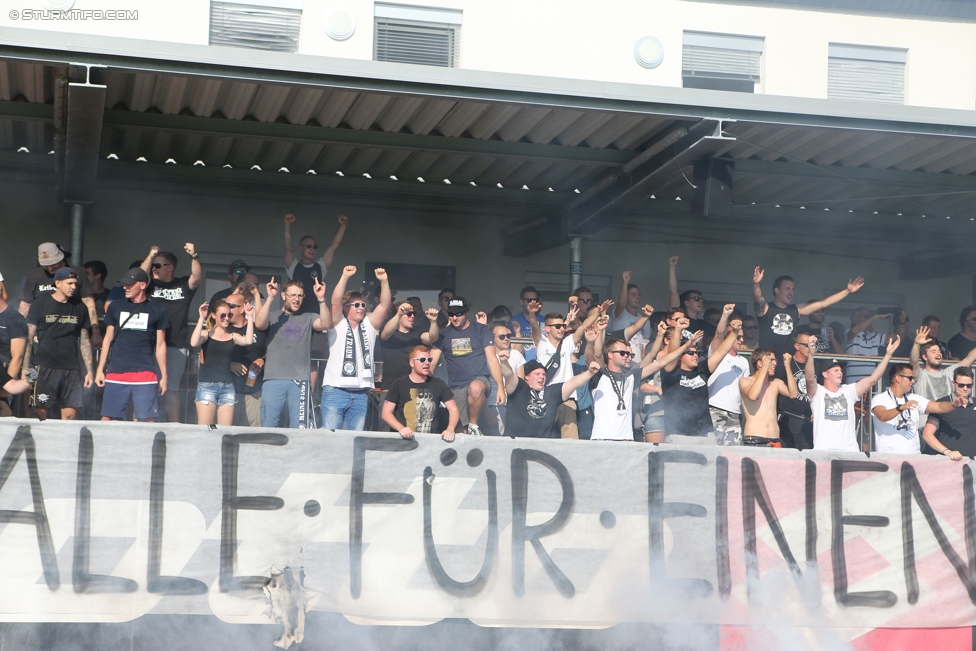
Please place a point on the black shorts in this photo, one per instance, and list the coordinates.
(59, 387)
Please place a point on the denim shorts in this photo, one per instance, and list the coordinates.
(220, 392)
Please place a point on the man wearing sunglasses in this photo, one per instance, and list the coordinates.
(348, 376)
(691, 302)
(413, 402)
(400, 335)
(472, 363)
(684, 384)
(531, 302)
(898, 413)
(237, 272)
(175, 295)
(932, 380)
(954, 434)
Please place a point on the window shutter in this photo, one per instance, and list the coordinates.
(868, 74)
(721, 61)
(428, 36)
(275, 28)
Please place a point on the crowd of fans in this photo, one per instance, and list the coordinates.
(616, 370)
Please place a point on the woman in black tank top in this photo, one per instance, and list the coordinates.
(216, 397)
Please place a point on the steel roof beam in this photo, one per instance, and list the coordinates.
(860, 174)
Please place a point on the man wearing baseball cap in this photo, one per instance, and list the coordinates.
(469, 354)
(132, 365)
(236, 273)
(59, 330)
(40, 281)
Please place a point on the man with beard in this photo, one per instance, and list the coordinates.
(413, 402)
(932, 380)
(954, 434)
(287, 365)
(760, 392)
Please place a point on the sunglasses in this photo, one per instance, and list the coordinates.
(584, 300)
(696, 298)
(234, 306)
(408, 314)
(504, 336)
(622, 353)
(240, 272)
(225, 315)
(968, 385)
(310, 246)
(911, 378)
(556, 325)
(423, 360)
(533, 299)
(692, 352)
(160, 265)
(356, 304)
(455, 314)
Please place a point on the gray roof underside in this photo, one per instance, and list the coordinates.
(525, 149)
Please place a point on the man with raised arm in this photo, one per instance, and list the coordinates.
(400, 335)
(954, 434)
(307, 267)
(897, 413)
(348, 376)
(613, 388)
(531, 302)
(532, 404)
(287, 364)
(932, 380)
(627, 309)
(175, 296)
(760, 393)
(724, 402)
(832, 403)
(413, 402)
(778, 320)
(691, 302)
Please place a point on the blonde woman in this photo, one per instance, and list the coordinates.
(215, 386)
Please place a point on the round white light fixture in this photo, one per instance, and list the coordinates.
(649, 52)
(58, 5)
(340, 25)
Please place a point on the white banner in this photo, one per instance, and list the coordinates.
(104, 522)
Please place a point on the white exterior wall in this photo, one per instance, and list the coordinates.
(580, 39)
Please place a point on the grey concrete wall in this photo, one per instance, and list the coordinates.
(124, 224)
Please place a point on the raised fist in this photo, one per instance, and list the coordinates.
(289, 219)
(343, 220)
(348, 272)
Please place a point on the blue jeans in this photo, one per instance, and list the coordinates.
(285, 395)
(342, 409)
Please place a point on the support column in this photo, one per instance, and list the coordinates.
(78, 234)
(575, 262)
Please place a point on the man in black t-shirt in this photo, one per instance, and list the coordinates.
(778, 320)
(413, 401)
(97, 272)
(531, 409)
(60, 331)
(954, 433)
(175, 295)
(684, 384)
(40, 282)
(399, 336)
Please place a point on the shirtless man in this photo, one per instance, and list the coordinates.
(760, 392)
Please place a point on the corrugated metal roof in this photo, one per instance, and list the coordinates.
(536, 156)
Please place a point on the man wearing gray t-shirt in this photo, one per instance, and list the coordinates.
(932, 380)
(287, 368)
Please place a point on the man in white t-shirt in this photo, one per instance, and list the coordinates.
(897, 413)
(832, 403)
(613, 387)
(932, 380)
(348, 376)
(554, 350)
(724, 403)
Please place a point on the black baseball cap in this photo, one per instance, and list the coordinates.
(457, 304)
(136, 275)
(238, 264)
(827, 364)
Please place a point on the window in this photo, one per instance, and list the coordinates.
(864, 73)
(421, 35)
(263, 25)
(721, 61)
